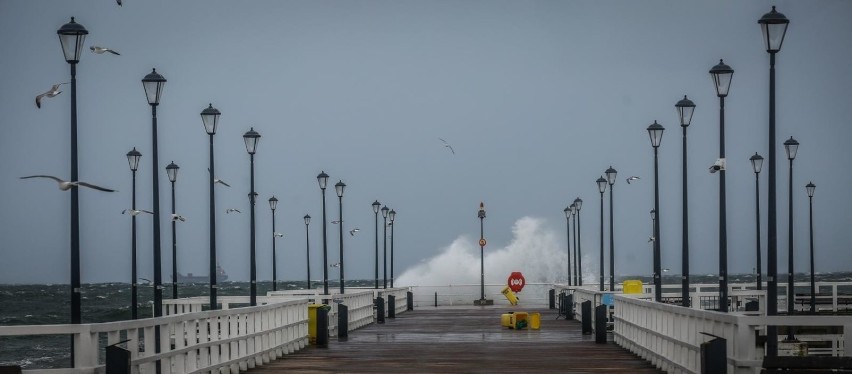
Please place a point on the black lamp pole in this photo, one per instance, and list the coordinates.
(567, 212)
(153, 84)
(685, 108)
(574, 242)
(251, 137)
(273, 203)
(171, 172)
(385, 210)
(133, 159)
(481, 215)
(322, 179)
(722, 75)
(655, 132)
(578, 203)
(810, 187)
(610, 177)
(602, 188)
(392, 217)
(376, 205)
(210, 119)
(307, 219)
(757, 165)
(774, 27)
(339, 187)
(791, 146)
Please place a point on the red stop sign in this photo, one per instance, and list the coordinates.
(516, 281)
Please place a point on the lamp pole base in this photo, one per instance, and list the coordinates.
(483, 302)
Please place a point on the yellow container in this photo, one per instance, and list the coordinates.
(535, 320)
(510, 295)
(312, 322)
(632, 286)
(518, 320)
(506, 320)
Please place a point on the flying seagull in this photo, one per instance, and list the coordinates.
(335, 222)
(136, 212)
(277, 234)
(353, 231)
(334, 265)
(118, 2)
(65, 186)
(54, 90)
(650, 239)
(229, 210)
(101, 50)
(630, 179)
(217, 180)
(447, 145)
(178, 217)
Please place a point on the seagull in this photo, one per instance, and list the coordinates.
(118, 2)
(217, 180)
(65, 186)
(650, 239)
(178, 217)
(335, 222)
(353, 231)
(229, 210)
(335, 265)
(54, 90)
(447, 145)
(101, 50)
(136, 212)
(277, 234)
(630, 179)
(665, 270)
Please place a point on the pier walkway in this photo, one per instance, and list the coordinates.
(463, 339)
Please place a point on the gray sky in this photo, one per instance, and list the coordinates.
(538, 98)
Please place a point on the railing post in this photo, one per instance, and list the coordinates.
(409, 300)
(436, 299)
(600, 324)
(391, 306)
(551, 299)
(586, 317)
(342, 321)
(380, 310)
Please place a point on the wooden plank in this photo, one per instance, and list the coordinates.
(463, 339)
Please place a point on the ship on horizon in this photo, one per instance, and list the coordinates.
(221, 276)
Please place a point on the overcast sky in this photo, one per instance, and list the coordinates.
(537, 98)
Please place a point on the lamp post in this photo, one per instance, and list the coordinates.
(153, 84)
(685, 108)
(210, 119)
(757, 165)
(307, 219)
(339, 187)
(392, 217)
(322, 179)
(791, 146)
(376, 205)
(567, 212)
(655, 132)
(602, 188)
(810, 187)
(610, 178)
(273, 203)
(385, 210)
(133, 159)
(171, 172)
(578, 203)
(576, 258)
(251, 138)
(481, 214)
(722, 75)
(72, 35)
(774, 28)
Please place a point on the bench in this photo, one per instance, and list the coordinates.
(806, 365)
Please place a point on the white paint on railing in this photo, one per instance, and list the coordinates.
(465, 294)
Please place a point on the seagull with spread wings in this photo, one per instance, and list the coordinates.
(178, 217)
(66, 185)
(136, 212)
(229, 210)
(54, 90)
(447, 145)
(100, 50)
(630, 179)
(353, 231)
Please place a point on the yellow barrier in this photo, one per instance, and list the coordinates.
(632, 286)
(535, 320)
(510, 295)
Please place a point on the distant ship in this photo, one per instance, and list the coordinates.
(190, 278)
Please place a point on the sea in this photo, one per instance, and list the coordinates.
(46, 304)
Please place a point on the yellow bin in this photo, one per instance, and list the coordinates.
(518, 320)
(510, 295)
(632, 286)
(506, 320)
(535, 320)
(312, 322)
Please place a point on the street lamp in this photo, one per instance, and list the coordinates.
(791, 146)
(567, 212)
(322, 179)
(610, 178)
(685, 108)
(210, 119)
(273, 203)
(757, 165)
(339, 187)
(722, 75)
(578, 203)
(307, 219)
(392, 217)
(602, 188)
(171, 172)
(376, 205)
(133, 160)
(251, 138)
(153, 84)
(810, 187)
(576, 258)
(385, 246)
(72, 35)
(774, 28)
(655, 132)
(482, 300)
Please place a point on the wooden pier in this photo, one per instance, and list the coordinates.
(463, 340)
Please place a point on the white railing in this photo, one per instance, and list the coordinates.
(358, 300)
(400, 299)
(465, 294)
(225, 341)
(670, 336)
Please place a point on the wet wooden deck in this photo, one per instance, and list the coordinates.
(463, 340)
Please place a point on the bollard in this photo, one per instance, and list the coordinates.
(342, 321)
(551, 299)
(391, 306)
(713, 355)
(586, 317)
(436, 299)
(600, 324)
(409, 300)
(117, 359)
(322, 327)
(380, 310)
